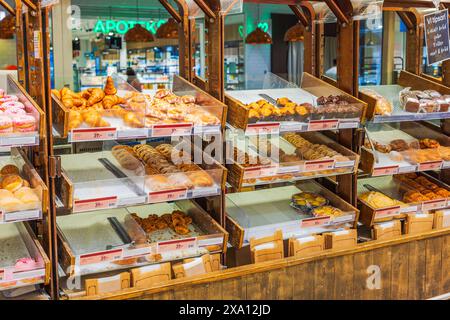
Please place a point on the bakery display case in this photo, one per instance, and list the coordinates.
(404, 147)
(123, 175)
(127, 237)
(279, 106)
(23, 261)
(292, 156)
(23, 194)
(394, 197)
(413, 98)
(22, 122)
(119, 112)
(298, 210)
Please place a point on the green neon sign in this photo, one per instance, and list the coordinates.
(122, 26)
(264, 26)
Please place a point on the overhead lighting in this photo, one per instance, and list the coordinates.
(295, 33)
(139, 34)
(258, 36)
(168, 30)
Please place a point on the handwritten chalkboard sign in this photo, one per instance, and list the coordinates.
(436, 36)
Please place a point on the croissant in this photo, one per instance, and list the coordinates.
(110, 89)
(111, 100)
(117, 111)
(97, 95)
(57, 93)
(75, 119)
(85, 94)
(91, 117)
(102, 123)
(67, 101)
(132, 120)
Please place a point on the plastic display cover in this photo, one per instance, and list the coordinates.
(362, 10)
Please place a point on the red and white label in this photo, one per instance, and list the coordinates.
(384, 171)
(259, 172)
(318, 125)
(167, 195)
(263, 128)
(315, 222)
(319, 165)
(176, 129)
(430, 165)
(95, 204)
(434, 204)
(172, 245)
(387, 212)
(93, 134)
(7, 274)
(99, 257)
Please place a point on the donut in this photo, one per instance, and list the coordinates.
(9, 169)
(7, 98)
(24, 123)
(5, 124)
(12, 104)
(12, 183)
(14, 111)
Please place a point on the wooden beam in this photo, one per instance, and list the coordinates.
(407, 19)
(172, 11)
(205, 8)
(300, 15)
(8, 8)
(30, 4)
(342, 9)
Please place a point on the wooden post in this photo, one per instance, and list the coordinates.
(414, 40)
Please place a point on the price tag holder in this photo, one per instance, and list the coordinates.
(288, 169)
(99, 257)
(384, 171)
(136, 133)
(319, 125)
(259, 172)
(263, 128)
(19, 141)
(434, 204)
(315, 222)
(167, 195)
(318, 165)
(345, 164)
(20, 216)
(430, 165)
(344, 219)
(348, 124)
(93, 134)
(173, 245)
(169, 130)
(95, 204)
(387, 212)
(207, 130)
(7, 274)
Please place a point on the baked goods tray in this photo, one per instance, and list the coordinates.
(97, 245)
(404, 147)
(260, 213)
(386, 199)
(281, 161)
(22, 122)
(239, 116)
(22, 259)
(391, 93)
(23, 195)
(134, 120)
(96, 181)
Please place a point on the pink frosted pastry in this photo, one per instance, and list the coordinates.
(13, 111)
(2, 93)
(7, 98)
(24, 123)
(12, 104)
(5, 124)
(24, 264)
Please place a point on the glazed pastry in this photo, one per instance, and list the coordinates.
(378, 200)
(110, 89)
(97, 96)
(428, 143)
(12, 182)
(399, 145)
(6, 124)
(9, 169)
(24, 123)
(111, 100)
(75, 119)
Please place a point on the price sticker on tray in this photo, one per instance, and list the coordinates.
(263, 128)
(387, 212)
(95, 204)
(315, 222)
(167, 195)
(384, 171)
(92, 134)
(173, 245)
(430, 165)
(319, 165)
(99, 257)
(318, 125)
(168, 130)
(20, 215)
(434, 204)
(259, 172)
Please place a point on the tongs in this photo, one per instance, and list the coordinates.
(375, 154)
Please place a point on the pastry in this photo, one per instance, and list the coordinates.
(124, 156)
(111, 100)
(9, 169)
(24, 123)
(378, 200)
(97, 96)
(110, 89)
(428, 143)
(12, 182)
(6, 125)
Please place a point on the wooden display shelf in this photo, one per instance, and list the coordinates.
(238, 115)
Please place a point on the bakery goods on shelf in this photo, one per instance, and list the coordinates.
(418, 188)
(314, 204)
(245, 160)
(335, 107)
(178, 221)
(15, 191)
(15, 116)
(378, 200)
(425, 101)
(286, 110)
(383, 106)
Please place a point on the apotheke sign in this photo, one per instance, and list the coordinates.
(122, 26)
(437, 37)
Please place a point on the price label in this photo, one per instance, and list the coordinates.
(263, 128)
(95, 204)
(430, 165)
(259, 172)
(344, 219)
(384, 171)
(136, 133)
(315, 222)
(319, 165)
(20, 215)
(288, 169)
(96, 134)
(434, 204)
(318, 125)
(387, 212)
(7, 274)
(348, 124)
(172, 245)
(345, 164)
(167, 195)
(19, 141)
(98, 257)
(167, 130)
